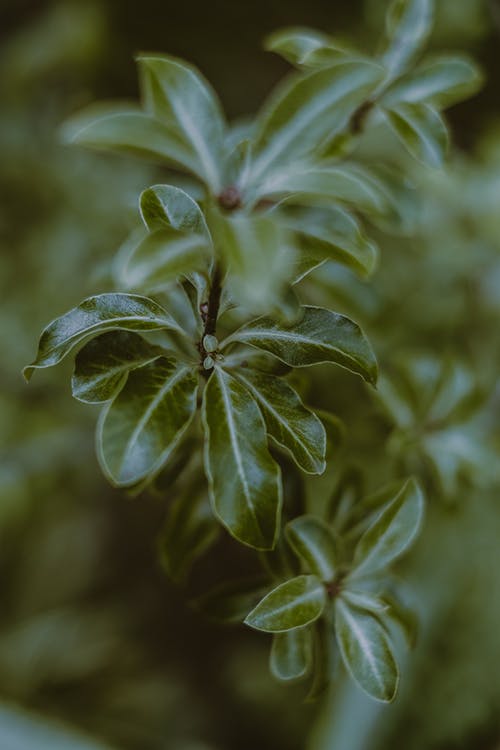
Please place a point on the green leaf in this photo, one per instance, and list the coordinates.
(162, 256)
(348, 183)
(422, 131)
(409, 23)
(190, 529)
(259, 254)
(287, 420)
(139, 429)
(334, 234)
(130, 132)
(95, 315)
(320, 336)
(309, 109)
(291, 654)
(177, 94)
(103, 364)
(244, 480)
(312, 540)
(392, 532)
(441, 82)
(295, 44)
(366, 652)
(290, 605)
(229, 602)
(168, 206)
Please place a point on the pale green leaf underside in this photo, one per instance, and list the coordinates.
(366, 652)
(409, 23)
(291, 654)
(309, 109)
(140, 428)
(162, 256)
(313, 542)
(392, 532)
(95, 315)
(292, 604)
(169, 206)
(103, 363)
(422, 131)
(441, 82)
(321, 336)
(295, 44)
(244, 480)
(287, 420)
(177, 94)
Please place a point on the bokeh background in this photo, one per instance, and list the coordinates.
(98, 649)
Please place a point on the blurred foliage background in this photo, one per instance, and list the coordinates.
(95, 642)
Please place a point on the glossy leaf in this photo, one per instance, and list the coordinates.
(102, 365)
(175, 93)
(162, 256)
(441, 82)
(422, 131)
(392, 532)
(291, 654)
(244, 480)
(334, 234)
(169, 206)
(132, 132)
(229, 602)
(309, 109)
(287, 420)
(366, 651)
(95, 315)
(347, 183)
(140, 428)
(313, 541)
(290, 605)
(409, 23)
(190, 529)
(320, 336)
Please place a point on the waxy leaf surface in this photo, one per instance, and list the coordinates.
(169, 206)
(366, 651)
(292, 604)
(320, 336)
(103, 363)
(95, 315)
(140, 428)
(287, 419)
(291, 654)
(422, 130)
(244, 480)
(312, 540)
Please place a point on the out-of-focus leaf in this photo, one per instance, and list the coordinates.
(291, 654)
(169, 206)
(366, 652)
(229, 602)
(95, 315)
(392, 532)
(307, 110)
(140, 428)
(409, 23)
(190, 529)
(441, 82)
(313, 541)
(130, 132)
(102, 365)
(320, 336)
(287, 419)
(422, 131)
(292, 604)
(160, 257)
(298, 46)
(244, 480)
(334, 234)
(346, 183)
(260, 256)
(175, 93)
